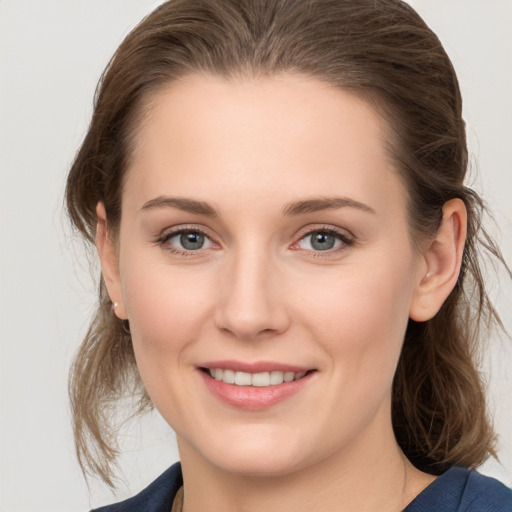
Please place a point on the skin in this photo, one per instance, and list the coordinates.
(259, 291)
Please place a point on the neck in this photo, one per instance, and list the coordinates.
(367, 476)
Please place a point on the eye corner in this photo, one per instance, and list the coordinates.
(330, 240)
(189, 241)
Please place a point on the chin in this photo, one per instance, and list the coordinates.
(259, 466)
(263, 457)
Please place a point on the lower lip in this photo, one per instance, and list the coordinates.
(253, 398)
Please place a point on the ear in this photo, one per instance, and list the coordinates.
(109, 263)
(442, 261)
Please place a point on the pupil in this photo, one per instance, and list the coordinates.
(192, 241)
(323, 241)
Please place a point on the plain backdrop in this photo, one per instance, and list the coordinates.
(51, 55)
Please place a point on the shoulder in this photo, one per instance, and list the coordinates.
(461, 490)
(156, 497)
(486, 494)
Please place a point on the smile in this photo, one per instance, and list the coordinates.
(260, 379)
(254, 386)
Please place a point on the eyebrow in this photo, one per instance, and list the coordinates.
(180, 203)
(291, 209)
(324, 203)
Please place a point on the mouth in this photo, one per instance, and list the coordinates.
(256, 386)
(259, 379)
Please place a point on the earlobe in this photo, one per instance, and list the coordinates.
(109, 262)
(442, 260)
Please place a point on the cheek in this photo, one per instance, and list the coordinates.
(361, 317)
(167, 312)
(166, 309)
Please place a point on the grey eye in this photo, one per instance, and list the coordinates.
(191, 240)
(188, 240)
(320, 241)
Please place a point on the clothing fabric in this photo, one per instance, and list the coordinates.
(460, 490)
(457, 490)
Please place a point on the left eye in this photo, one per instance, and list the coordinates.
(321, 241)
(189, 240)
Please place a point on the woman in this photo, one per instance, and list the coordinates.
(289, 260)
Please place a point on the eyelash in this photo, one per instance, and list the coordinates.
(345, 240)
(164, 239)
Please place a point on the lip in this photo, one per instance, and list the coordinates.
(254, 367)
(252, 398)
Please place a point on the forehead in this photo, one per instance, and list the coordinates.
(296, 134)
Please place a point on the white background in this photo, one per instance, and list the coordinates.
(51, 55)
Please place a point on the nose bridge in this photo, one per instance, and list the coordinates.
(253, 303)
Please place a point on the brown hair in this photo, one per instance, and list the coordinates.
(384, 52)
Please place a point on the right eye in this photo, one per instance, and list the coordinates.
(186, 240)
(321, 241)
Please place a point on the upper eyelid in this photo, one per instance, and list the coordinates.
(166, 234)
(169, 232)
(175, 230)
(307, 230)
(346, 238)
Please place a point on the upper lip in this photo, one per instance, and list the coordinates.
(254, 367)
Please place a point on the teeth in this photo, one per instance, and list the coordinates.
(288, 376)
(262, 379)
(228, 376)
(243, 379)
(276, 378)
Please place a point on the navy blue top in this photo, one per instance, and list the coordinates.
(460, 490)
(457, 490)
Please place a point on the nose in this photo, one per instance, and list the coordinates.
(253, 299)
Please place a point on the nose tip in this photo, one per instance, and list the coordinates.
(250, 327)
(253, 304)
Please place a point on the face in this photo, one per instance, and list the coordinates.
(266, 269)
